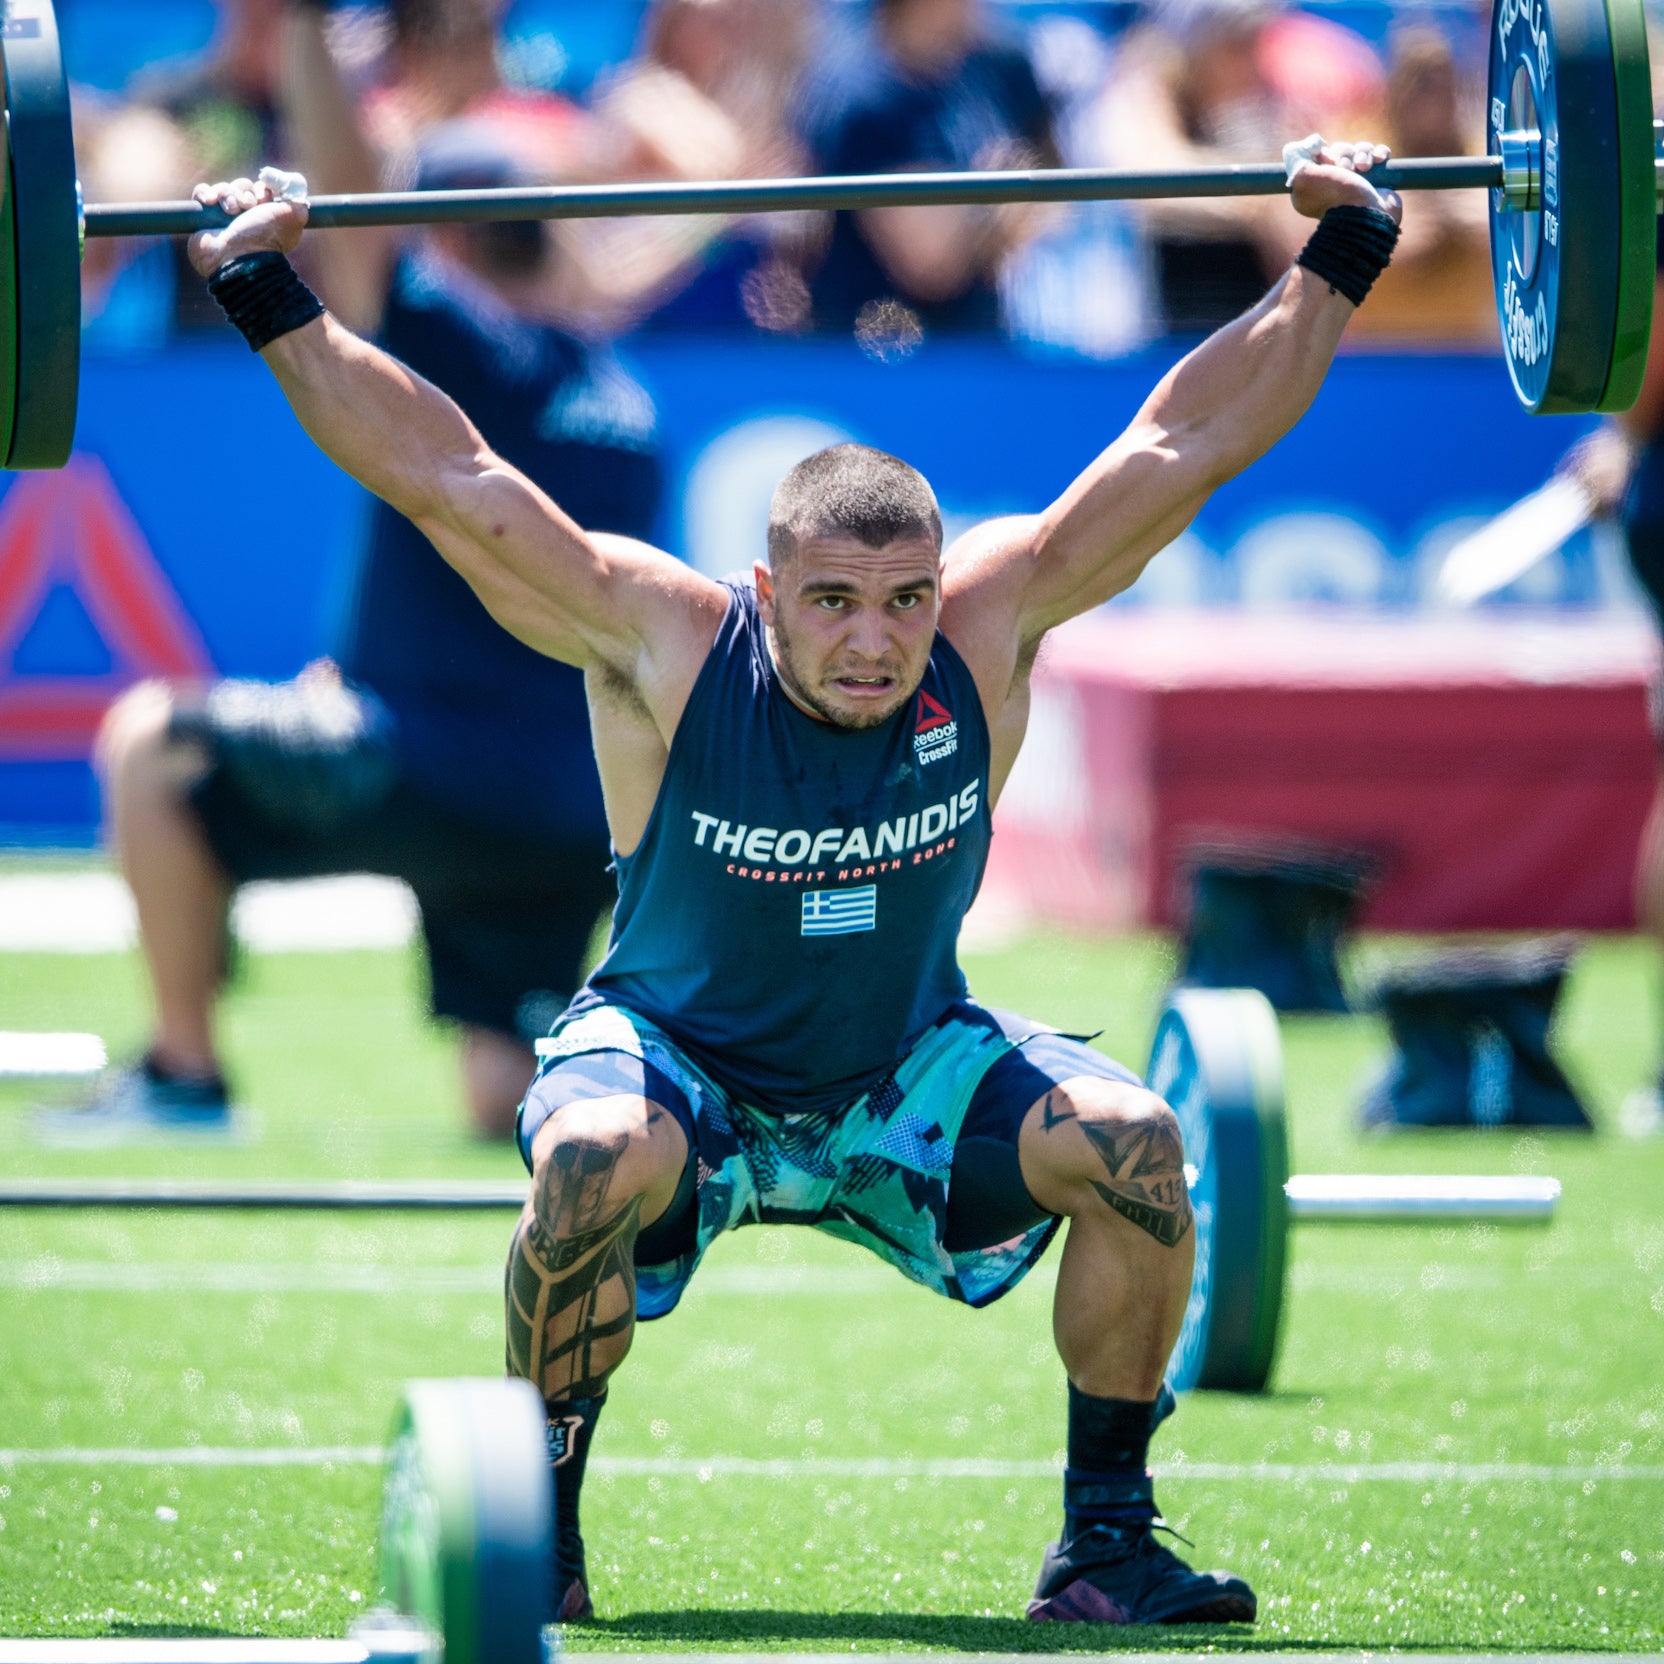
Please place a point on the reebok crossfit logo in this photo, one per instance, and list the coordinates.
(935, 733)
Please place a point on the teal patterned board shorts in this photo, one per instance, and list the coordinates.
(874, 1172)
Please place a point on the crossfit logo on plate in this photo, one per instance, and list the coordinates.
(935, 733)
(840, 912)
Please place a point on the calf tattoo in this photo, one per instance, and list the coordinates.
(571, 1282)
(1145, 1164)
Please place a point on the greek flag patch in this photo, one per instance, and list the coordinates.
(840, 912)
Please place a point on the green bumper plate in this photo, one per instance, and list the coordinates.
(8, 298)
(1217, 1059)
(467, 1519)
(44, 247)
(1637, 206)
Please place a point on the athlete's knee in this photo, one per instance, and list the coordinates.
(136, 749)
(135, 727)
(1095, 1143)
(594, 1159)
(496, 1070)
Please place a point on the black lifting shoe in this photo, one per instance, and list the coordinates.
(572, 1602)
(1110, 1575)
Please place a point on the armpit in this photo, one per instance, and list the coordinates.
(608, 687)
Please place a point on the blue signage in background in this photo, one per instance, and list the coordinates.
(202, 533)
(1398, 457)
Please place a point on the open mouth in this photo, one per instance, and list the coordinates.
(864, 687)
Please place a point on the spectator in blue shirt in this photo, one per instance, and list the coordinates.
(930, 89)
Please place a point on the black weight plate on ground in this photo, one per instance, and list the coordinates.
(1217, 1059)
(1557, 267)
(1638, 203)
(46, 213)
(467, 1518)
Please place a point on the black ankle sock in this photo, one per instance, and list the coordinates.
(571, 1427)
(1107, 1482)
(1108, 1435)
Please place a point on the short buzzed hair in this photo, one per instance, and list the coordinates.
(861, 492)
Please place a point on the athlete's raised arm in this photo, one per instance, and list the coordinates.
(593, 600)
(1215, 412)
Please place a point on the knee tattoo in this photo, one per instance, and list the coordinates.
(1138, 1162)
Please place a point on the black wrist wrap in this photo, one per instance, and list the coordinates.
(1350, 249)
(263, 297)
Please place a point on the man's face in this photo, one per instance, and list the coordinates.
(851, 627)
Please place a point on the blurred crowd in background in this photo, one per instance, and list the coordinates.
(481, 92)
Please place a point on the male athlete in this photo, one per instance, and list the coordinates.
(799, 778)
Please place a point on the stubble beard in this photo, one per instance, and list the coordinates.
(798, 686)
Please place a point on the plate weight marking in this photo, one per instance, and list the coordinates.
(1556, 260)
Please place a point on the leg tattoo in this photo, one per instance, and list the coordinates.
(571, 1281)
(1145, 1165)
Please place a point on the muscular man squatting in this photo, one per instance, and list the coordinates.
(799, 777)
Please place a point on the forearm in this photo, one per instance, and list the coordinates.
(396, 434)
(1215, 412)
(1245, 386)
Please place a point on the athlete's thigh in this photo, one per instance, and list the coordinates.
(989, 1199)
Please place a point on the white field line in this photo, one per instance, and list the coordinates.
(241, 1650)
(45, 1272)
(200, 1456)
(870, 1467)
(92, 912)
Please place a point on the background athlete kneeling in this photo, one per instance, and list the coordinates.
(799, 777)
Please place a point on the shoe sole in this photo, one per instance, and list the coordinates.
(1223, 1609)
(1083, 1603)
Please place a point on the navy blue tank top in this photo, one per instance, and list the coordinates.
(792, 914)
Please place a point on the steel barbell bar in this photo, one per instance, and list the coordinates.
(768, 196)
(1370, 1198)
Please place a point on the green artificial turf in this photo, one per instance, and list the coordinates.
(1468, 1345)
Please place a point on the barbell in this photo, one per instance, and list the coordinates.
(1572, 173)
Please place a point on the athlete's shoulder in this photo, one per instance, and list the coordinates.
(984, 573)
(678, 611)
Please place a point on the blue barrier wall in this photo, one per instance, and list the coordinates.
(200, 532)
